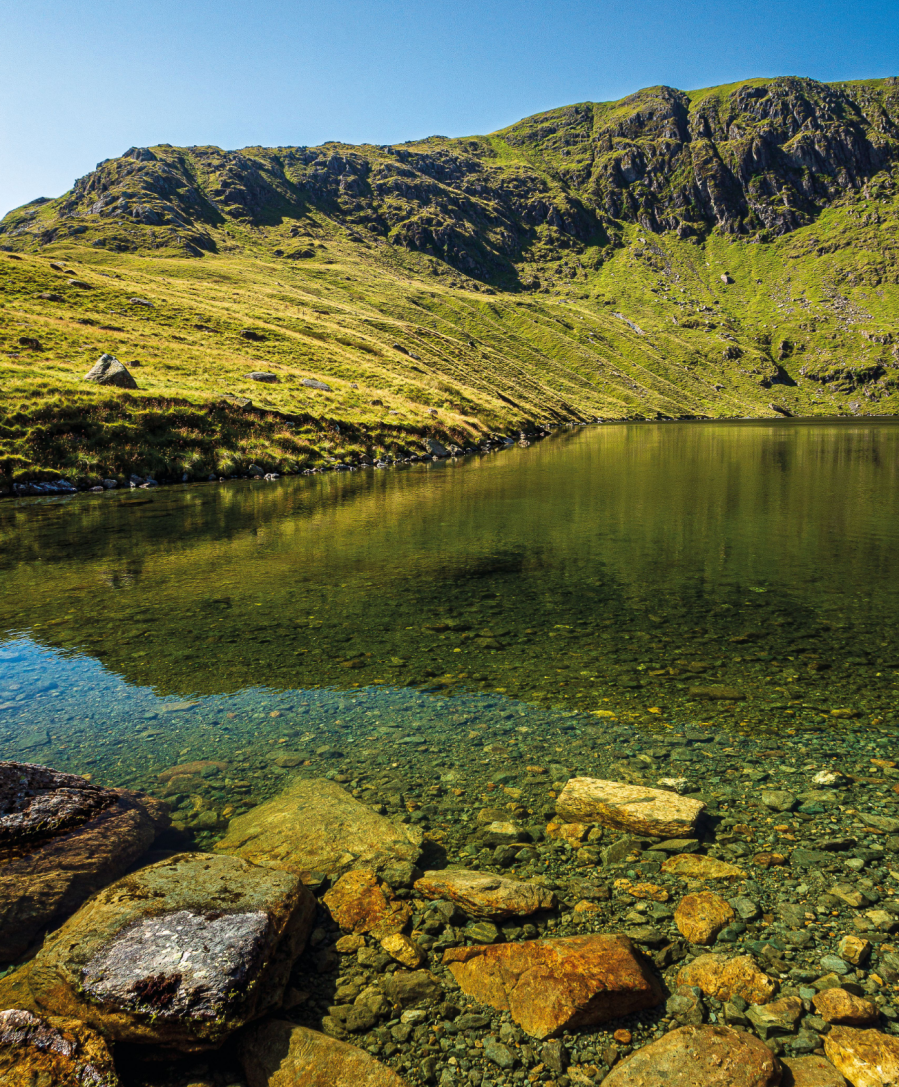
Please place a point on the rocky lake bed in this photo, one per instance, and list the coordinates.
(574, 766)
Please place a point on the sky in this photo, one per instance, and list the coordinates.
(84, 80)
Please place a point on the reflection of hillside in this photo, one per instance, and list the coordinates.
(210, 589)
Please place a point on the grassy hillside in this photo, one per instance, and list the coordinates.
(710, 253)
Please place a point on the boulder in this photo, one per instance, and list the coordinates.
(699, 1056)
(280, 1054)
(698, 866)
(263, 375)
(810, 1071)
(724, 978)
(39, 1051)
(435, 448)
(359, 903)
(180, 953)
(702, 916)
(311, 383)
(867, 1058)
(634, 808)
(778, 1017)
(107, 370)
(408, 987)
(62, 839)
(845, 1009)
(315, 826)
(557, 984)
(483, 895)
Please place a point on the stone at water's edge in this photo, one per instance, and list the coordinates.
(636, 808)
(316, 826)
(725, 978)
(557, 984)
(702, 916)
(484, 895)
(62, 839)
(36, 1051)
(280, 1054)
(179, 954)
(699, 1056)
(867, 1058)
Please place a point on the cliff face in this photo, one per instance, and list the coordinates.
(760, 158)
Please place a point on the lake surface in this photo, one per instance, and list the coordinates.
(455, 617)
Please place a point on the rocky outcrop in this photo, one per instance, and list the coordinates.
(37, 1051)
(107, 370)
(280, 1054)
(316, 826)
(553, 985)
(180, 953)
(483, 895)
(633, 808)
(62, 839)
(713, 1056)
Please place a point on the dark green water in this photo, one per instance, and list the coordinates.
(429, 612)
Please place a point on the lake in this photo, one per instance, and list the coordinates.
(456, 619)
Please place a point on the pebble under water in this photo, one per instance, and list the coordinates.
(708, 605)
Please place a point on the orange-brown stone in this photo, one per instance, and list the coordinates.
(721, 977)
(697, 866)
(280, 1054)
(867, 1058)
(483, 895)
(358, 903)
(557, 984)
(844, 1009)
(699, 1056)
(702, 916)
(810, 1071)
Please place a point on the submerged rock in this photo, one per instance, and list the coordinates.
(867, 1058)
(359, 903)
(557, 984)
(702, 916)
(107, 370)
(62, 839)
(483, 895)
(180, 953)
(710, 1056)
(634, 808)
(316, 826)
(280, 1054)
(36, 1051)
(724, 978)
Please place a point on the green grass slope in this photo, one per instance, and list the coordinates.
(675, 254)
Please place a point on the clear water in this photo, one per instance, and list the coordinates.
(438, 613)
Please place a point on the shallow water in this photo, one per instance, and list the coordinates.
(455, 617)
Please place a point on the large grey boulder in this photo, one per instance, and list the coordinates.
(109, 371)
(179, 954)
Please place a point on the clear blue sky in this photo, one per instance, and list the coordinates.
(84, 80)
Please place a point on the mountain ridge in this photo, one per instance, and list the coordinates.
(768, 204)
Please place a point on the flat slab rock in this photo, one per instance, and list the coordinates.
(483, 895)
(180, 953)
(810, 1071)
(316, 826)
(52, 1052)
(635, 808)
(280, 1054)
(699, 1056)
(61, 840)
(558, 984)
(867, 1058)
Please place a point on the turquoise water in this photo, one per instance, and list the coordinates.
(666, 576)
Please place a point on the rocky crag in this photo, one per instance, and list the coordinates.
(723, 252)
